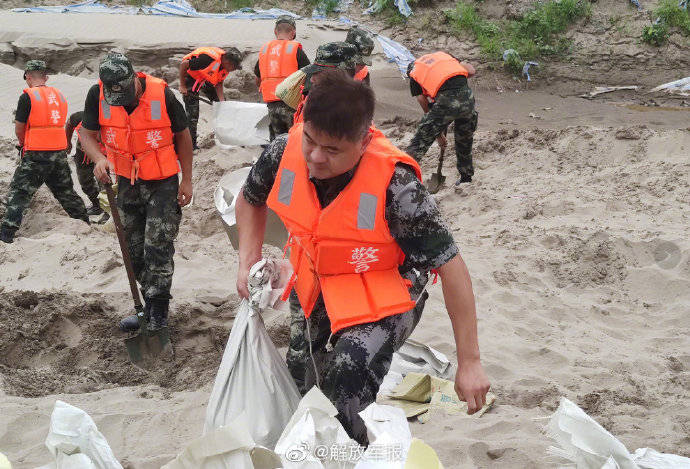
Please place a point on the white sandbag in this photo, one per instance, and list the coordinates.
(648, 458)
(254, 379)
(267, 281)
(312, 433)
(4, 462)
(225, 198)
(416, 357)
(583, 441)
(75, 442)
(227, 447)
(240, 124)
(389, 436)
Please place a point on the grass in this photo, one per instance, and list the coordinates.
(536, 34)
(328, 6)
(669, 15)
(674, 16)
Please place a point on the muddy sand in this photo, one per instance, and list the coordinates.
(575, 231)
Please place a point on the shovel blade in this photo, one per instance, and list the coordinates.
(149, 346)
(434, 183)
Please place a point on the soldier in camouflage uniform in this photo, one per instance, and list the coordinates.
(454, 103)
(364, 43)
(84, 167)
(149, 208)
(232, 60)
(350, 373)
(37, 167)
(280, 115)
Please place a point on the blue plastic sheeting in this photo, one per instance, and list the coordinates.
(89, 6)
(683, 4)
(183, 8)
(395, 51)
(525, 69)
(637, 4)
(401, 5)
(320, 13)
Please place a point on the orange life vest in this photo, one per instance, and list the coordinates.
(213, 73)
(431, 71)
(277, 61)
(45, 128)
(344, 251)
(140, 144)
(362, 74)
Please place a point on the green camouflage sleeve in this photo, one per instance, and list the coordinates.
(263, 174)
(416, 223)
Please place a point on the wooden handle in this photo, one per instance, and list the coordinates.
(123, 247)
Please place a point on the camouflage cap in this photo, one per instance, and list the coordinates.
(234, 55)
(287, 19)
(117, 75)
(32, 65)
(331, 55)
(364, 43)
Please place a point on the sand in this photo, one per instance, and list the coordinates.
(575, 231)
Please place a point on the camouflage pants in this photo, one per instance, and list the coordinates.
(191, 105)
(350, 375)
(87, 180)
(35, 169)
(450, 106)
(280, 117)
(151, 219)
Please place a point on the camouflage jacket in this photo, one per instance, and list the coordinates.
(411, 212)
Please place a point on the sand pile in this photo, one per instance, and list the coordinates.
(575, 231)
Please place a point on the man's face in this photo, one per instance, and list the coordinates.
(228, 65)
(328, 156)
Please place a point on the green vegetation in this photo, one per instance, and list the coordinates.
(669, 15)
(535, 34)
(655, 34)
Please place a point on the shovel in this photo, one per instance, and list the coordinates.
(145, 344)
(437, 179)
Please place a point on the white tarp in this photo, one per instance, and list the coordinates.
(75, 442)
(237, 123)
(679, 86)
(588, 445)
(252, 378)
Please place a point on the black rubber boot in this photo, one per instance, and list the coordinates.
(6, 236)
(95, 208)
(159, 315)
(131, 323)
(464, 178)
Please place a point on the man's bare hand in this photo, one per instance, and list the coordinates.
(471, 384)
(442, 141)
(102, 171)
(243, 281)
(185, 192)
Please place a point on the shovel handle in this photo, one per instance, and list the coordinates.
(123, 247)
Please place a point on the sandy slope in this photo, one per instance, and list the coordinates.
(575, 232)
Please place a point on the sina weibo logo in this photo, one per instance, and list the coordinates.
(362, 258)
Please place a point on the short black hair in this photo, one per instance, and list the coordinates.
(340, 106)
(285, 28)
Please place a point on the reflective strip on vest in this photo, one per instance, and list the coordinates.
(289, 48)
(37, 95)
(366, 211)
(287, 181)
(156, 112)
(105, 109)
